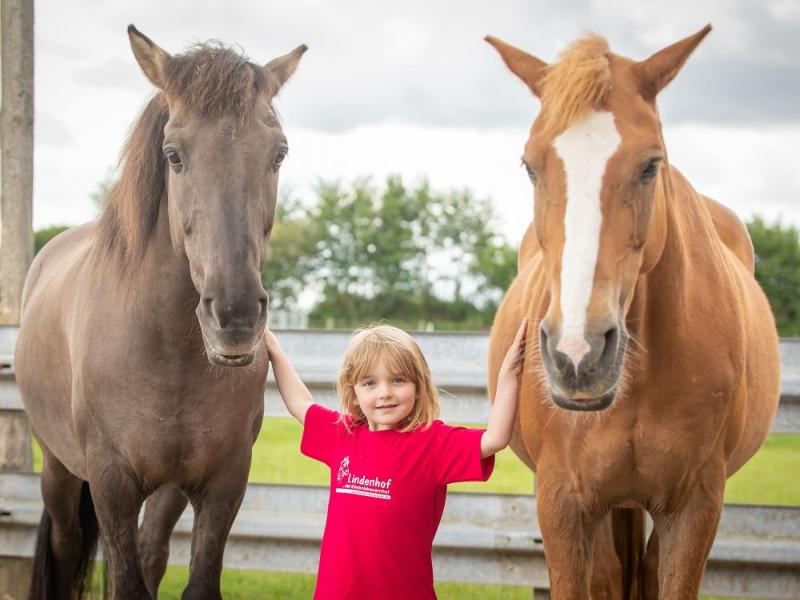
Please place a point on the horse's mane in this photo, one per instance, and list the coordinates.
(578, 82)
(209, 80)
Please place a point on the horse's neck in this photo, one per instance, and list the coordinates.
(668, 291)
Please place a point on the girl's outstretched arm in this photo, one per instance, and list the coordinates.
(501, 418)
(294, 392)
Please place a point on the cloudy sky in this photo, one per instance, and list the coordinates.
(411, 88)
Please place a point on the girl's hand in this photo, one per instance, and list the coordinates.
(504, 407)
(514, 359)
(295, 394)
(271, 341)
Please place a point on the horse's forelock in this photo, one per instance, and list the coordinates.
(213, 80)
(577, 83)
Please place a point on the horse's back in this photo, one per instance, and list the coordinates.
(53, 267)
(42, 361)
(732, 232)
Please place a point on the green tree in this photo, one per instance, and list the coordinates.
(777, 250)
(406, 255)
(369, 259)
(291, 246)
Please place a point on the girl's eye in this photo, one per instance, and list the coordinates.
(399, 380)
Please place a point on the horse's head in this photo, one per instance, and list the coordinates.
(223, 147)
(595, 156)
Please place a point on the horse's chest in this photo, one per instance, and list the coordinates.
(614, 464)
(176, 429)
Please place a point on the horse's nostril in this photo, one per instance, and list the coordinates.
(610, 340)
(208, 307)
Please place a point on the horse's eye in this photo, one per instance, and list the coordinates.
(279, 159)
(650, 171)
(531, 172)
(174, 159)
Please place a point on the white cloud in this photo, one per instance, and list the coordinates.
(411, 88)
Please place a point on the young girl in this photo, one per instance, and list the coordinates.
(390, 460)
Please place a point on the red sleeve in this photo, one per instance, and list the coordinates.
(458, 455)
(320, 430)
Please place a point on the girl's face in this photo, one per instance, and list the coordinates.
(385, 397)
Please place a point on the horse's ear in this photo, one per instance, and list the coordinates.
(658, 70)
(525, 66)
(280, 69)
(152, 59)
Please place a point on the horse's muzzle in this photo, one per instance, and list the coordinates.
(232, 326)
(593, 384)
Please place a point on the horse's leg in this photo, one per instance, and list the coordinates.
(686, 533)
(568, 535)
(117, 499)
(215, 508)
(606, 580)
(650, 570)
(59, 547)
(161, 511)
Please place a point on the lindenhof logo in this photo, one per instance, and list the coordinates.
(361, 485)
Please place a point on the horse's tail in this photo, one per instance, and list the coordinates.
(628, 527)
(43, 580)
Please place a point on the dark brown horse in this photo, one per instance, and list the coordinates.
(139, 357)
(656, 375)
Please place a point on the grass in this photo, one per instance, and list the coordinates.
(247, 585)
(763, 480)
(277, 459)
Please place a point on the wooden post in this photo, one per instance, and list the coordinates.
(16, 231)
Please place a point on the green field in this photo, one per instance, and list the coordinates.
(276, 459)
(763, 480)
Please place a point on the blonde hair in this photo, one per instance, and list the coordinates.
(403, 355)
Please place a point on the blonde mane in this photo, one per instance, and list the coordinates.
(578, 82)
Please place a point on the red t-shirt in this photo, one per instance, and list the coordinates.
(388, 490)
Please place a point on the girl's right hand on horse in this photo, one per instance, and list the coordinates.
(512, 365)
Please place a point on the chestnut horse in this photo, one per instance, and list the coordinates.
(139, 357)
(656, 374)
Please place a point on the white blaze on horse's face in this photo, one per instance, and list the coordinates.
(585, 149)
